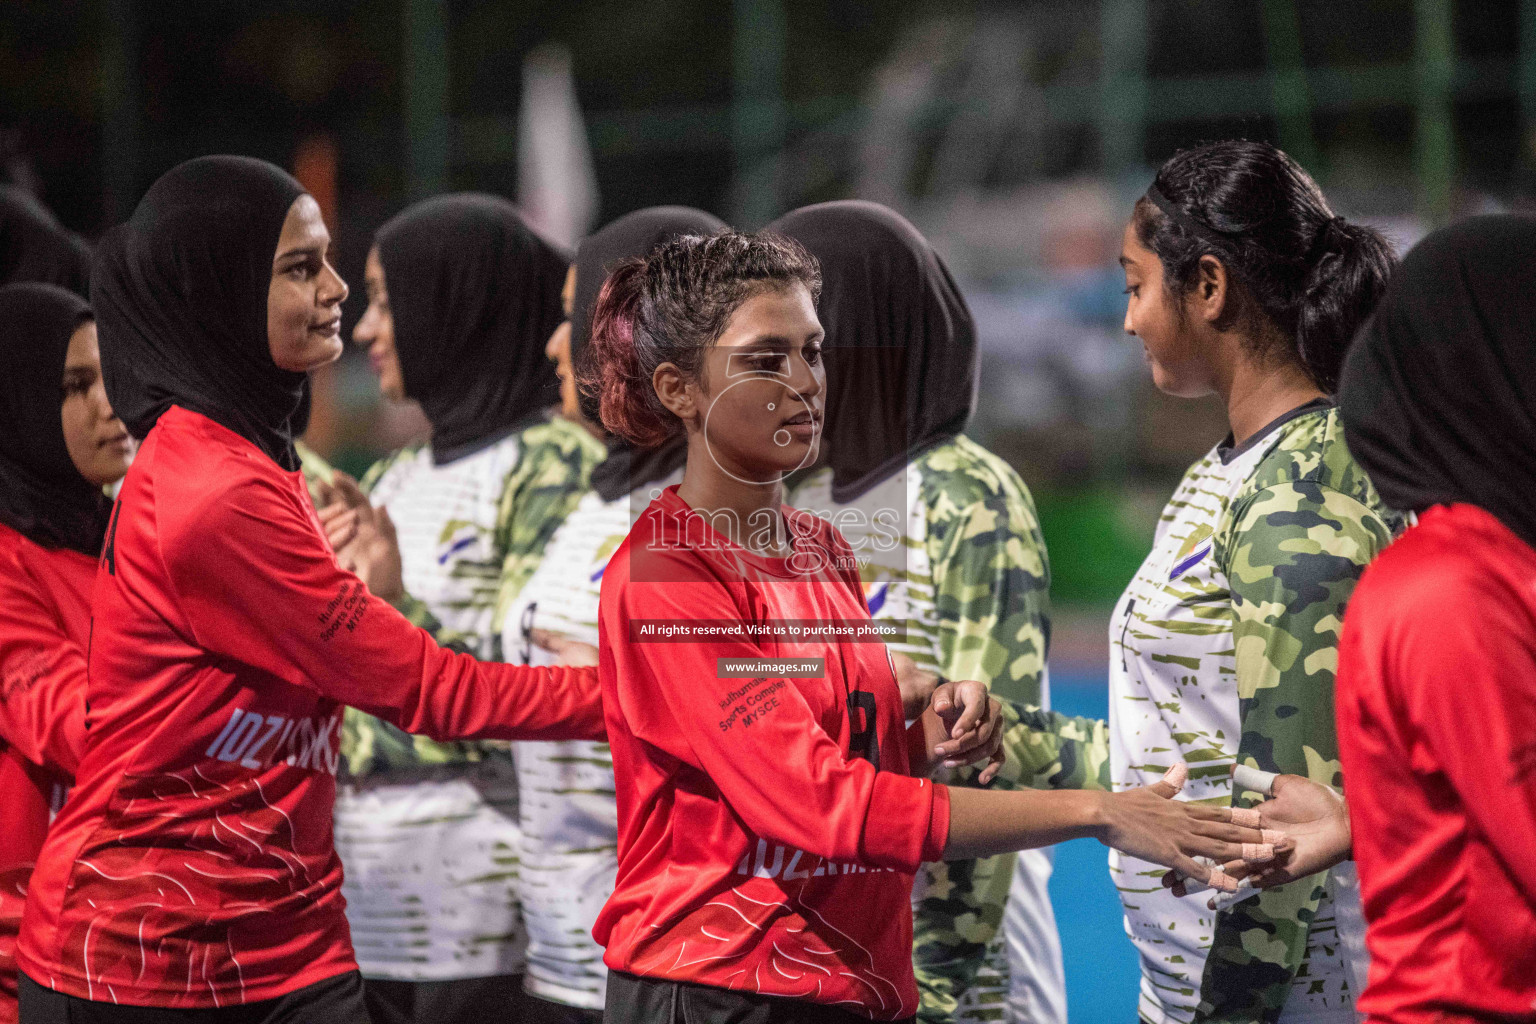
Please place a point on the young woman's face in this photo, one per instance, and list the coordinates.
(376, 330)
(305, 297)
(558, 351)
(98, 443)
(759, 402)
(1159, 320)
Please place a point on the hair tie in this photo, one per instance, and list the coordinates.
(1156, 198)
(1323, 239)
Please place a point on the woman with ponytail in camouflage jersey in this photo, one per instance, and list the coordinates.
(1243, 283)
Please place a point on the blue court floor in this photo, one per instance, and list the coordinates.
(1100, 961)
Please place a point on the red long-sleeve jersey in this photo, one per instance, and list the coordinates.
(192, 865)
(45, 618)
(1436, 704)
(25, 792)
(45, 615)
(768, 828)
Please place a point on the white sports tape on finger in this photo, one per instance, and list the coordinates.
(1245, 777)
(1194, 885)
(1229, 892)
(1227, 900)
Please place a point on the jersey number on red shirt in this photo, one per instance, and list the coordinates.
(863, 739)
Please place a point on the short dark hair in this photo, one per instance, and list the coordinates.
(1315, 276)
(669, 307)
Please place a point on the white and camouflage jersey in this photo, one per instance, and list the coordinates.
(428, 831)
(569, 821)
(1223, 649)
(952, 549)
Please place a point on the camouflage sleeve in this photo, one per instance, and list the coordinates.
(991, 583)
(990, 580)
(1049, 750)
(549, 481)
(1292, 555)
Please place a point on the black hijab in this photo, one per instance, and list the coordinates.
(1438, 394)
(42, 495)
(902, 363)
(634, 234)
(475, 295)
(180, 292)
(36, 247)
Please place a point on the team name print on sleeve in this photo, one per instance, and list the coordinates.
(345, 610)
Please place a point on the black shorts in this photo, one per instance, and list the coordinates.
(337, 1000)
(635, 1000)
(494, 1000)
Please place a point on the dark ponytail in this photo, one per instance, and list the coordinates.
(1340, 294)
(1313, 276)
(614, 367)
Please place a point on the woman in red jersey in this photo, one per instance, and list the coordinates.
(772, 814)
(55, 457)
(191, 873)
(1436, 693)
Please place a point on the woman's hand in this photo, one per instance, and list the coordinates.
(962, 725)
(1315, 818)
(343, 505)
(916, 686)
(363, 537)
(1150, 825)
(567, 651)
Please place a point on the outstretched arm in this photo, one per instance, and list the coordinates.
(279, 601)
